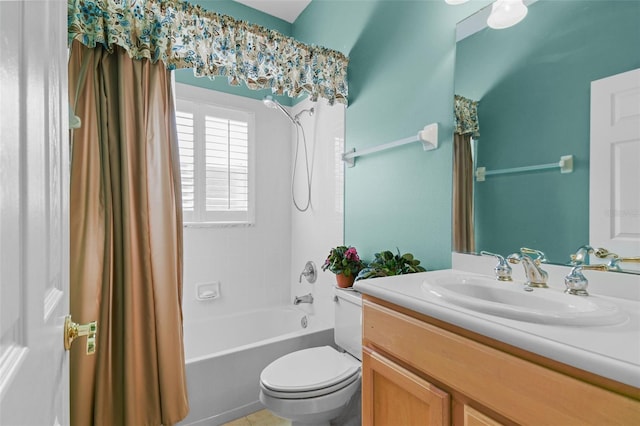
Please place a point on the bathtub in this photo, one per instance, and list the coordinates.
(225, 355)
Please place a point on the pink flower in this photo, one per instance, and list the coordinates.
(352, 254)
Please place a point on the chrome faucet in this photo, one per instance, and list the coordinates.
(307, 298)
(502, 269)
(577, 283)
(536, 276)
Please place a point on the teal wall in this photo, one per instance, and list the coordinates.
(533, 83)
(243, 13)
(400, 79)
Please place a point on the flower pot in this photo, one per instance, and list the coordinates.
(345, 281)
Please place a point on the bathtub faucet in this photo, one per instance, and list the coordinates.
(307, 298)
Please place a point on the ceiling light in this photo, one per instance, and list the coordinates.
(506, 13)
(455, 1)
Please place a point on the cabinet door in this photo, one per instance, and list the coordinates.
(392, 395)
(473, 417)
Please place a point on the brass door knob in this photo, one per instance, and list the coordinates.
(73, 330)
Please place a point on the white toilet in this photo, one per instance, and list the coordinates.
(313, 386)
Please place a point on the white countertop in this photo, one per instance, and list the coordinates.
(610, 351)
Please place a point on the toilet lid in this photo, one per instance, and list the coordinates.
(308, 370)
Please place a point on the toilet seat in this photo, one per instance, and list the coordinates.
(309, 373)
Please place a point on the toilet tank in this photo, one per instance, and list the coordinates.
(348, 321)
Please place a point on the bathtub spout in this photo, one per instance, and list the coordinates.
(307, 298)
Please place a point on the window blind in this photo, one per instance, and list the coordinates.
(227, 164)
(186, 144)
(214, 163)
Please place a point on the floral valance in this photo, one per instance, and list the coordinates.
(466, 112)
(186, 36)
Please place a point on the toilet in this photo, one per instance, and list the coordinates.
(313, 386)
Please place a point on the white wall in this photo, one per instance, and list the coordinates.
(260, 265)
(252, 263)
(317, 230)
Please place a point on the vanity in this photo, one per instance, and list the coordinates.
(429, 357)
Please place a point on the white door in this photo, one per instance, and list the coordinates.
(34, 187)
(614, 194)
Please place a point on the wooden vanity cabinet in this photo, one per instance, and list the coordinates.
(420, 371)
(392, 395)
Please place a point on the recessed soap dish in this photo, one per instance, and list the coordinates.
(208, 291)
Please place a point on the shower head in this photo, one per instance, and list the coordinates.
(269, 102)
(309, 111)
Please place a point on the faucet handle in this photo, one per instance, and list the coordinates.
(581, 256)
(614, 263)
(309, 272)
(603, 253)
(577, 283)
(502, 269)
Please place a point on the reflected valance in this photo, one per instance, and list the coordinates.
(466, 113)
(182, 35)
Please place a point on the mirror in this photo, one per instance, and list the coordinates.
(532, 83)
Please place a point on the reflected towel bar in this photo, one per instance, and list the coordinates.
(428, 136)
(565, 164)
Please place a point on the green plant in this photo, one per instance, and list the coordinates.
(386, 264)
(343, 260)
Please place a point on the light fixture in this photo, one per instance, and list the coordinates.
(506, 13)
(455, 1)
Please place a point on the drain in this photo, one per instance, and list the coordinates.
(304, 322)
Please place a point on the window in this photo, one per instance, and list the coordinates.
(215, 152)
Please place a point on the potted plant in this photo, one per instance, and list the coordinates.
(386, 264)
(345, 263)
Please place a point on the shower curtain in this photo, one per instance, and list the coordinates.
(463, 227)
(467, 127)
(126, 241)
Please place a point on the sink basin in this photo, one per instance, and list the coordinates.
(510, 300)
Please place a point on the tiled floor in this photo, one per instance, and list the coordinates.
(260, 418)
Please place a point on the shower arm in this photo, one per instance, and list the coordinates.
(285, 112)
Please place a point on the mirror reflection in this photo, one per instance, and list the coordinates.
(532, 87)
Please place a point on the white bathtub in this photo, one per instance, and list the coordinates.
(225, 355)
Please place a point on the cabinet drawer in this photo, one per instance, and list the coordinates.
(518, 389)
(473, 417)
